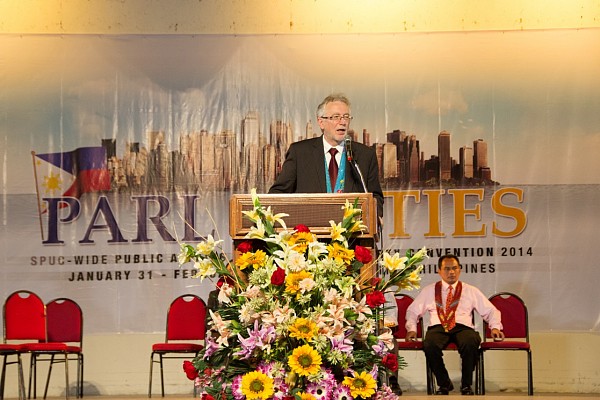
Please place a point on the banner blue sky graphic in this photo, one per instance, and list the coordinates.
(522, 92)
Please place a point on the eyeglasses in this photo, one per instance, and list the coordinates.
(448, 269)
(338, 118)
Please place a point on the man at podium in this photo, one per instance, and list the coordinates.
(331, 163)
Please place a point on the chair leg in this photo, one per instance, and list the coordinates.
(429, 379)
(478, 374)
(150, 380)
(3, 376)
(32, 376)
(21, 378)
(80, 374)
(48, 377)
(162, 377)
(66, 376)
(482, 376)
(529, 374)
(20, 381)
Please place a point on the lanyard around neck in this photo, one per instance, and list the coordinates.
(339, 183)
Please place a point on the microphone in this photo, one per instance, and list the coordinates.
(348, 144)
(353, 163)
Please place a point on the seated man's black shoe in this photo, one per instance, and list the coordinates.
(466, 391)
(445, 390)
(394, 386)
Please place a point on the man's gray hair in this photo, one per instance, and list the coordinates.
(330, 99)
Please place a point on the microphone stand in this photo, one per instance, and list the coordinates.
(382, 376)
(353, 163)
(354, 167)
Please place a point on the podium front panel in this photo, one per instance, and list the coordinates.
(313, 210)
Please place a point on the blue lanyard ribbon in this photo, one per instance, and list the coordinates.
(339, 183)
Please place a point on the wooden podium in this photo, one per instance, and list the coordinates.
(314, 210)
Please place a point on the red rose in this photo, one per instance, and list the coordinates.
(225, 279)
(278, 277)
(363, 254)
(375, 299)
(190, 370)
(206, 396)
(245, 246)
(301, 228)
(390, 361)
(375, 281)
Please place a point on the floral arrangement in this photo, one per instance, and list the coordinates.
(296, 318)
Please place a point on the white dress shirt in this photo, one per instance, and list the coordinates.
(338, 156)
(470, 299)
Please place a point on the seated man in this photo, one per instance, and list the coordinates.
(450, 304)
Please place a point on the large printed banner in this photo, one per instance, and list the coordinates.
(115, 149)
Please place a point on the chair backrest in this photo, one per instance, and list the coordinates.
(24, 317)
(64, 321)
(402, 303)
(186, 318)
(515, 321)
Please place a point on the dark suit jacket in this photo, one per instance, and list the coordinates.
(304, 171)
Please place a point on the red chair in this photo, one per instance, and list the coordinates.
(25, 319)
(64, 325)
(402, 303)
(185, 322)
(515, 323)
(8, 350)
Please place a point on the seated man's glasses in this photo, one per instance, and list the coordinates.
(338, 118)
(448, 269)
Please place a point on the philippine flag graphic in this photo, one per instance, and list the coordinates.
(72, 173)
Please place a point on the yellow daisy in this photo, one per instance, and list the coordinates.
(257, 259)
(304, 361)
(361, 385)
(256, 385)
(340, 253)
(292, 281)
(303, 328)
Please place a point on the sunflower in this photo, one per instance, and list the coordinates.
(257, 259)
(340, 253)
(292, 281)
(303, 328)
(300, 241)
(361, 385)
(256, 385)
(306, 396)
(305, 361)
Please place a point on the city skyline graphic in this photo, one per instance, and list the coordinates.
(239, 161)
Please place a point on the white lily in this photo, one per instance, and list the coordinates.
(208, 246)
(337, 231)
(395, 262)
(256, 232)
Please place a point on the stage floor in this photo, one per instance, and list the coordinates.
(405, 396)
